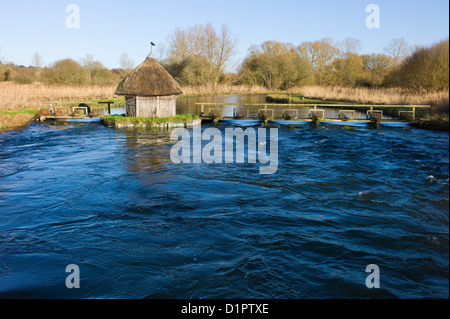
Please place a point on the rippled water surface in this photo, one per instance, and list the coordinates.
(138, 225)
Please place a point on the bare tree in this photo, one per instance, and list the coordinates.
(91, 66)
(196, 39)
(125, 62)
(320, 55)
(205, 46)
(350, 46)
(179, 45)
(161, 52)
(276, 48)
(217, 50)
(88, 61)
(398, 49)
(378, 65)
(37, 60)
(226, 46)
(1, 56)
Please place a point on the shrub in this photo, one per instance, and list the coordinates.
(426, 70)
(65, 72)
(276, 72)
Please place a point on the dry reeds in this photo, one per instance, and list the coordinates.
(18, 96)
(224, 89)
(16, 120)
(376, 96)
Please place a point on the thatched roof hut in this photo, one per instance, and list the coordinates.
(149, 91)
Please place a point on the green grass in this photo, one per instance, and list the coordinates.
(179, 118)
(28, 111)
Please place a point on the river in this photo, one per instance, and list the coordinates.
(138, 225)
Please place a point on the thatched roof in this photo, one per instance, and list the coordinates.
(149, 79)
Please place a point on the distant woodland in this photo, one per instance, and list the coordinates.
(200, 56)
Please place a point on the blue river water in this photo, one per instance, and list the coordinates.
(140, 226)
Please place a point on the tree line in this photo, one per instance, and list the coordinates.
(199, 56)
(87, 71)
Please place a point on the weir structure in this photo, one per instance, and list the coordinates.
(74, 109)
(291, 114)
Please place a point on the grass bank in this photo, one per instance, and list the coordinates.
(435, 118)
(179, 118)
(19, 103)
(437, 122)
(17, 118)
(15, 96)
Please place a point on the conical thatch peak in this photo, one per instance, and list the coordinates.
(149, 79)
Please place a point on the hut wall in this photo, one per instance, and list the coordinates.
(161, 106)
(130, 106)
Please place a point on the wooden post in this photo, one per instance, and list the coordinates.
(109, 105)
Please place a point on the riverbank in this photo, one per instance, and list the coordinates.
(360, 95)
(434, 118)
(19, 103)
(179, 120)
(436, 123)
(18, 118)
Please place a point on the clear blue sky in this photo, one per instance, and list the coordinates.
(110, 28)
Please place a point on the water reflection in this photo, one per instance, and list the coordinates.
(147, 150)
(237, 102)
(189, 105)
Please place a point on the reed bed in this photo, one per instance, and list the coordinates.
(19, 101)
(18, 96)
(15, 120)
(439, 100)
(223, 89)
